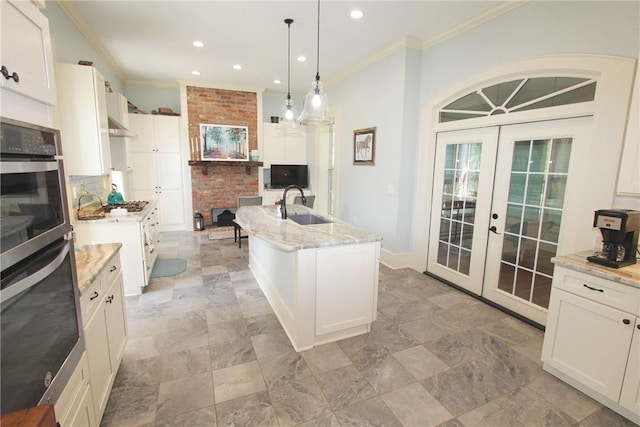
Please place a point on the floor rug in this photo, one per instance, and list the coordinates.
(221, 233)
(168, 267)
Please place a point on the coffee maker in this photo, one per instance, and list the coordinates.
(620, 229)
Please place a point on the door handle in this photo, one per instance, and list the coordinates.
(493, 229)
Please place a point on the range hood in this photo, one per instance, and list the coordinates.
(118, 130)
(117, 111)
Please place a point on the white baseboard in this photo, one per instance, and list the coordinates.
(394, 260)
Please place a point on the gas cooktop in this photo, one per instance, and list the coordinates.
(133, 206)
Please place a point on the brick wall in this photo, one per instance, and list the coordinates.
(222, 185)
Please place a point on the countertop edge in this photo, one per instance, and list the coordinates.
(629, 275)
(289, 236)
(91, 260)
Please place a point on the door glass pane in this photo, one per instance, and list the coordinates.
(534, 213)
(517, 187)
(520, 161)
(457, 216)
(539, 157)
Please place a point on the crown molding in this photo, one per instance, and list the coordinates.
(82, 26)
(404, 43)
(488, 14)
(409, 42)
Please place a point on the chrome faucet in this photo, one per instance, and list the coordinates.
(283, 202)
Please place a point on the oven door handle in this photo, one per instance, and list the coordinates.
(26, 167)
(33, 279)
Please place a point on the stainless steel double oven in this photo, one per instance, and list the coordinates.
(41, 339)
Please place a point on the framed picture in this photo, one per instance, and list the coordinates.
(364, 146)
(222, 142)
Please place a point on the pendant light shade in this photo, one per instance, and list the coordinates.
(288, 114)
(316, 105)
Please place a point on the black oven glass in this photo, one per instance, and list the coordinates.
(31, 204)
(39, 325)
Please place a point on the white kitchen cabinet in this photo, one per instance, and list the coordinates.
(158, 167)
(630, 395)
(629, 173)
(105, 330)
(26, 51)
(588, 338)
(75, 405)
(282, 149)
(138, 235)
(82, 108)
(119, 144)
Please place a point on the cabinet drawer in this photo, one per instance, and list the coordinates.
(111, 270)
(91, 298)
(616, 295)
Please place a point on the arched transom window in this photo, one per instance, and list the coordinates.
(519, 95)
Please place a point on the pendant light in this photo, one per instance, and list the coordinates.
(316, 106)
(288, 113)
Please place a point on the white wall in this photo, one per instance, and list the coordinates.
(71, 46)
(149, 97)
(381, 96)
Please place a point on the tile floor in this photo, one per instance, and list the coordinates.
(205, 349)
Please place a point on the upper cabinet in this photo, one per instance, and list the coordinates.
(83, 120)
(282, 149)
(629, 175)
(26, 53)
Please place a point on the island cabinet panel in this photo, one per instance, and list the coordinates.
(320, 295)
(344, 295)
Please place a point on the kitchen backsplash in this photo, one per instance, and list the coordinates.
(97, 185)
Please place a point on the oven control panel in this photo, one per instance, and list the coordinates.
(25, 139)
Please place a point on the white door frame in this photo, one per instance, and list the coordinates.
(614, 77)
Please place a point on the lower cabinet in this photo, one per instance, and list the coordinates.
(75, 405)
(592, 340)
(105, 330)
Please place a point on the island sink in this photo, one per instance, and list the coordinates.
(308, 219)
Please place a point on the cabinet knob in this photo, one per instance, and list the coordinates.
(638, 325)
(626, 321)
(5, 72)
(110, 299)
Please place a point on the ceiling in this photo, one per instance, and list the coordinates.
(151, 41)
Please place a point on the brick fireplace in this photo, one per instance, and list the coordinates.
(218, 186)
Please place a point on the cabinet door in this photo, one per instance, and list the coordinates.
(99, 363)
(169, 170)
(170, 207)
(144, 173)
(345, 287)
(167, 134)
(630, 396)
(26, 50)
(142, 126)
(115, 315)
(588, 342)
(120, 154)
(84, 414)
(83, 120)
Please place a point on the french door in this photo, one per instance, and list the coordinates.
(502, 249)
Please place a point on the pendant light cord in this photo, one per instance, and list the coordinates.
(288, 22)
(318, 47)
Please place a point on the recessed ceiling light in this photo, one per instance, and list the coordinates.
(302, 58)
(195, 72)
(276, 81)
(237, 67)
(198, 43)
(356, 14)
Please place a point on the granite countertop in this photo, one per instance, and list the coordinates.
(91, 260)
(629, 275)
(290, 236)
(130, 216)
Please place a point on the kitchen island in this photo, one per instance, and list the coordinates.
(321, 279)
